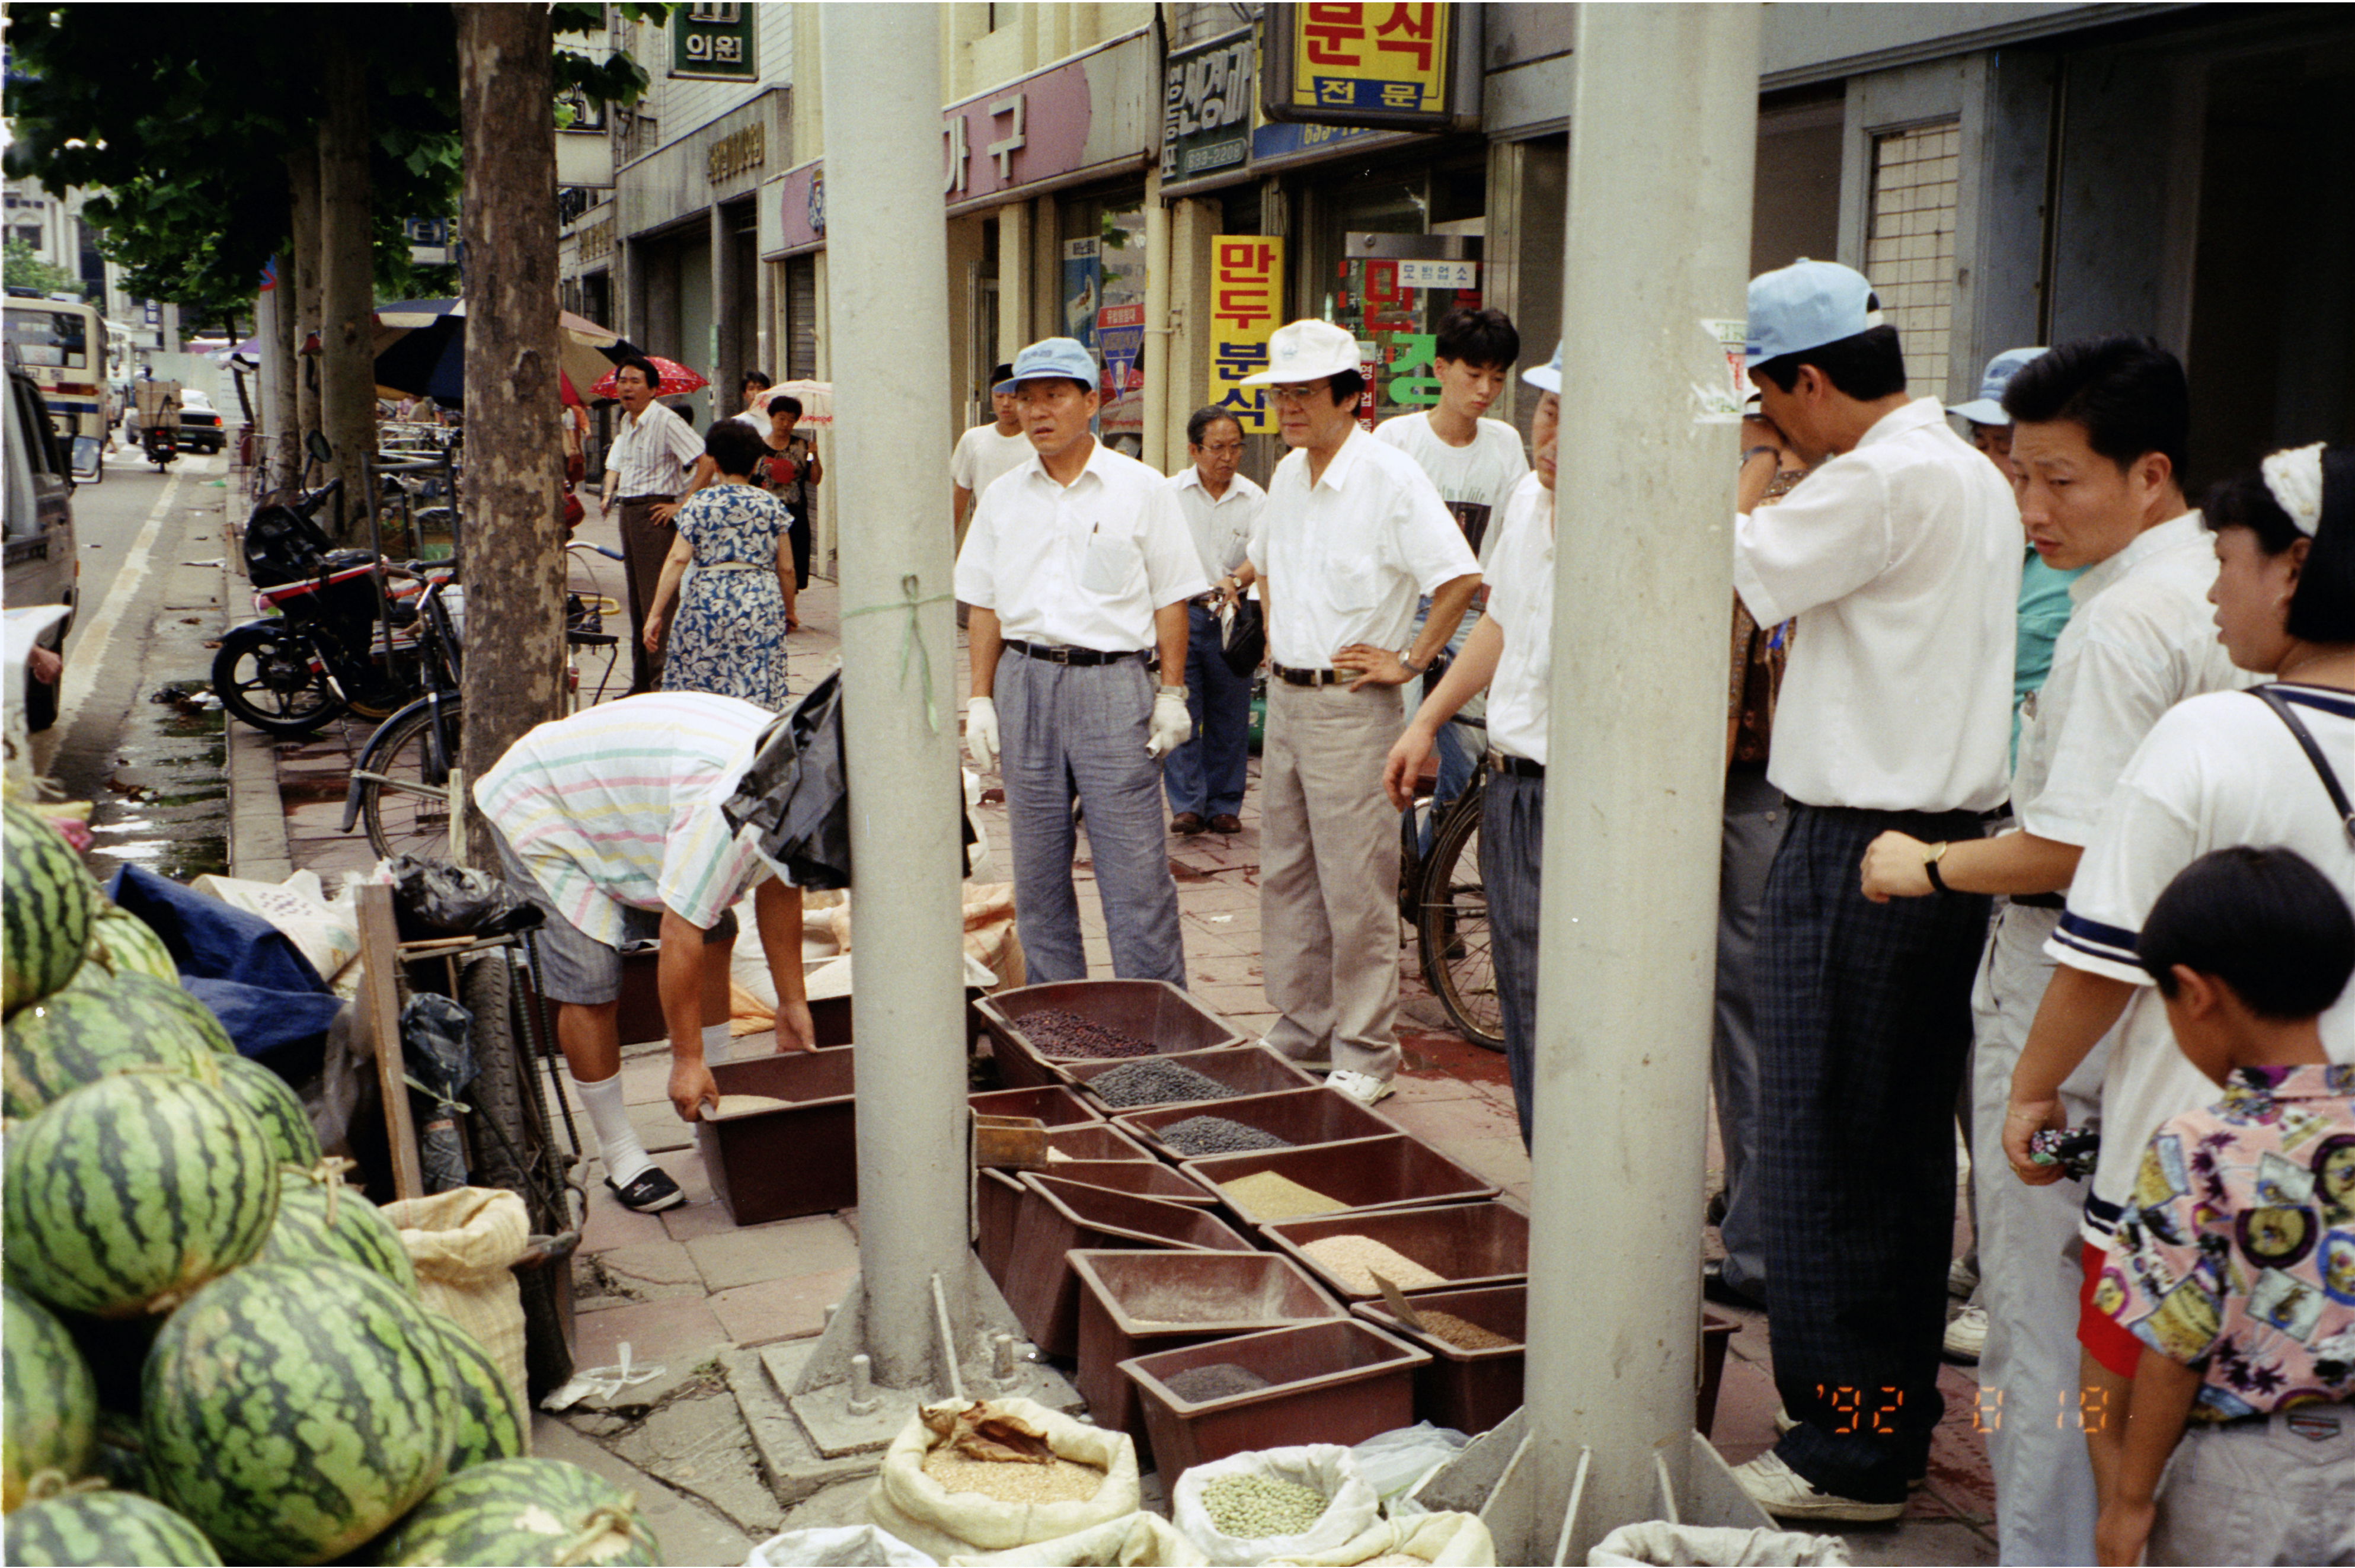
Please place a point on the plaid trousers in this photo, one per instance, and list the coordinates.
(1864, 1031)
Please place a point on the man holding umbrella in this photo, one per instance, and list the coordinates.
(649, 463)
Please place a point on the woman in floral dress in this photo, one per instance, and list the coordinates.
(730, 574)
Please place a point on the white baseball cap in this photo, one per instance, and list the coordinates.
(1806, 305)
(1546, 377)
(1305, 350)
(1988, 407)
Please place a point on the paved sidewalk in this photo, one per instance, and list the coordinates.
(688, 1290)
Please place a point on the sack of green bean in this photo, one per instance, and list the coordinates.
(1274, 1502)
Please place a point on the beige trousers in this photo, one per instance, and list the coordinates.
(1328, 875)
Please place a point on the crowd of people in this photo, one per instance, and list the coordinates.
(2036, 833)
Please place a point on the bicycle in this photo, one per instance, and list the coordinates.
(1443, 896)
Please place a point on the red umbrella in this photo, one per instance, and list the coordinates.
(677, 380)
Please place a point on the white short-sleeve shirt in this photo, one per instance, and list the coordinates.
(1900, 561)
(2215, 771)
(2140, 640)
(982, 455)
(653, 453)
(1474, 480)
(1520, 601)
(1083, 564)
(1220, 526)
(1348, 558)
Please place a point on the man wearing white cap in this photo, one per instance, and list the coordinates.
(1899, 559)
(1077, 566)
(1509, 655)
(1352, 533)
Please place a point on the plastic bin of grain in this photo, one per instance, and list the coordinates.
(914, 1505)
(1219, 1505)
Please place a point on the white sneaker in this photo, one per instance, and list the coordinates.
(1962, 1279)
(1362, 1087)
(1966, 1335)
(1785, 1422)
(1786, 1494)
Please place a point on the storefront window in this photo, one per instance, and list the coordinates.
(1103, 291)
(1389, 256)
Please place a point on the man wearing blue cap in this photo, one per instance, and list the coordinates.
(1899, 558)
(1079, 568)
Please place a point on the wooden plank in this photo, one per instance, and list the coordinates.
(379, 1020)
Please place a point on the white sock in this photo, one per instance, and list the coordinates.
(625, 1158)
(718, 1045)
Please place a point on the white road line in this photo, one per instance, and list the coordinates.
(90, 647)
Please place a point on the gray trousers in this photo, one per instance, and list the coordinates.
(2270, 1490)
(1328, 875)
(1512, 850)
(1062, 725)
(1754, 815)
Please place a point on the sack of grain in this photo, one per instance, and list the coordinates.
(1351, 1509)
(919, 1510)
(851, 1546)
(1139, 1541)
(1447, 1540)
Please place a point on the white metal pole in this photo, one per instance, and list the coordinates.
(1155, 343)
(887, 280)
(1663, 117)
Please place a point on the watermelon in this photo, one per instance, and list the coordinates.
(490, 1422)
(121, 943)
(105, 1527)
(128, 1193)
(46, 897)
(51, 1406)
(522, 1511)
(295, 1410)
(77, 1037)
(170, 998)
(320, 1218)
(274, 1106)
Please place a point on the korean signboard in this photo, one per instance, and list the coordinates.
(1206, 108)
(713, 41)
(1246, 299)
(1372, 64)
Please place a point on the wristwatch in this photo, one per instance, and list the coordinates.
(1406, 658)
(1930, 860)
(1180, 691)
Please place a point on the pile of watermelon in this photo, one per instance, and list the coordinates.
(214, 1347)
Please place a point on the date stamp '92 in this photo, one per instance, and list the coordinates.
(1873, 1413)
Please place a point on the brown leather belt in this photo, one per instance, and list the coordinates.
(1292, 677)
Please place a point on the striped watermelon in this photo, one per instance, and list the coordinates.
(128, 1193)
(50, 1405)
(320, 1218)
(522, 1511)
(44, 908)
(121, 943)
(169, 998)
(490, 1422)
(274, 1106)
(294, 1410)
(77, 1037)
(106, 1526)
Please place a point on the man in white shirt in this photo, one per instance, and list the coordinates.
(1078, 568)
(1509, 655)
(985, 452)
(1899, 558)
(2099, 431)
(647, 468)
(1352, 532)
(1475, 463)
(1206, 776)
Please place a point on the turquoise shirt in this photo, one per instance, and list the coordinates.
(2044, 606)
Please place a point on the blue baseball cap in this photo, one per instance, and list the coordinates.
(1806, 305)
(1053, 359)
(1546, 377)
(1987, 408)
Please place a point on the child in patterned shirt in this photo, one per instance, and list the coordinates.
(2234, 1262)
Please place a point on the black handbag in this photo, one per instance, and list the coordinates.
(1244, 640)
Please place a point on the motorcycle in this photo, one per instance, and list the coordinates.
(162, 445)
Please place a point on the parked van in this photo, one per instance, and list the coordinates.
(41, 564)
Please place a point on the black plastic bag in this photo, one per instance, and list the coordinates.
(436, 1047)
(435, 898)
(796, 792)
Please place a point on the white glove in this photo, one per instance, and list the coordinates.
(1173, 726)
(980, 731)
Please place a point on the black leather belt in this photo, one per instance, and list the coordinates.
(2040, 900)
(1058, 653)
(1292, 677)
(1518, 767)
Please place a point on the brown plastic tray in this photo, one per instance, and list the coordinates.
(802, 1158)
(1394, 1171)
(1299, 1117)
(998, 1199)
(1246, 1069)
(1094, 1140)
(1132, 1303)
(831, 1018)
(1468, 1390)
(1146, 1178)
(1469, 1244)
(1057, 1216)
(1338, 1381)
(1150, 1010)
(1052, 1103)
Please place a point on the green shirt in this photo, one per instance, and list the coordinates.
(2044, 606)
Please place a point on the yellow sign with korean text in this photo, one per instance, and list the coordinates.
(1246, 307)
(1369, 58)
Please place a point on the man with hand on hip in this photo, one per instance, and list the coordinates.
(649, 464)
(1078, 568)
(1352, 534)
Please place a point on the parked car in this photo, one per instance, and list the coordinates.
(37, 520)
(200, 425)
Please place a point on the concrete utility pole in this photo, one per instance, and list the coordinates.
(1663, 127)
(279, 452)
(888, 310)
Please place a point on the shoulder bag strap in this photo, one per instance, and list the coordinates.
(2273, 699)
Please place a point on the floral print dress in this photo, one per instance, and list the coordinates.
(729, 637)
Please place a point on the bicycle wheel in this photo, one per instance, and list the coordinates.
(402, 818)
(265, 675)
(1452, 931)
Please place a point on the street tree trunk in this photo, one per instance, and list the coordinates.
(346, 270)
(302, 283)
(513, 533)
(282, 459)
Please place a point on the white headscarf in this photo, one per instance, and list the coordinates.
(2295, 478)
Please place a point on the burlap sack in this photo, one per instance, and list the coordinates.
(465, 1244)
